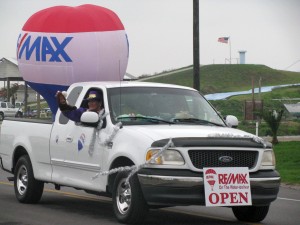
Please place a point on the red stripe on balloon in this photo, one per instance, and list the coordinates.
(66, 19)
(20, 44)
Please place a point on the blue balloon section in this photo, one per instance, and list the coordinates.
(48, 92)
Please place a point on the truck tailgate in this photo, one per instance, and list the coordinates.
(17, 134)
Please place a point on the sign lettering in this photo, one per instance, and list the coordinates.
(44, 48)
(232, 178)
(227, 186)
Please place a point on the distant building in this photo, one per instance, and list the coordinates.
(9, 73)
(293, 110)
(242, 57)
(9, 70)
(128, 76)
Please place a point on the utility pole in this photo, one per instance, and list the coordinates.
(196, 43)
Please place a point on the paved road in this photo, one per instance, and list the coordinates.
(284, 138)
(69, 206)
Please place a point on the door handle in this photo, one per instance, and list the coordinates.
(69, 139)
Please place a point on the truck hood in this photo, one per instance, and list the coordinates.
(158, 132)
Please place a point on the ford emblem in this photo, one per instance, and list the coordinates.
(225, 159)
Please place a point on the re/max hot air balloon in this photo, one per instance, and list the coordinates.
(210, 177)
(62, 45)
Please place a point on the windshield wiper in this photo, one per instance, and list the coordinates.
(151, 119)
(195, 120)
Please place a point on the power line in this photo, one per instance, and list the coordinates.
(292, 64)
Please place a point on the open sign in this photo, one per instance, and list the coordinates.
(227, 186)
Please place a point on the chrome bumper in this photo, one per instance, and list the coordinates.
(183, 190)
(155, 180)
(168, 181)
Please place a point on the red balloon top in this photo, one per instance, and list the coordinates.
(66, 19)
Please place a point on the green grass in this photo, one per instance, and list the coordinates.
(286, 128)
(230, 77)
(227, 78)
(278, 93)
(235, 104)
(288, 161)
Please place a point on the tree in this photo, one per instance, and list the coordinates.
(273, 119)
(12, 91)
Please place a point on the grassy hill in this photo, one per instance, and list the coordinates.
(229, 77)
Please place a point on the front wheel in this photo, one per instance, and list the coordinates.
(250, 213)
(129, 204)
(27, 188)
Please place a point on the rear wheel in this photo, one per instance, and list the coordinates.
(250, 213)
(1, 116)
(19, 114)
(129, 204)
(27, 188)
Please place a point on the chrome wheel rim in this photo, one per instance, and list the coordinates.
(22, 180)
(123, 196)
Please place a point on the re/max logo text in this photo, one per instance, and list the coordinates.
(47, 49)
(232, 178)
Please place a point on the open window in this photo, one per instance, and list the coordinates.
(99, 93)
(84, 103)
(71, 98)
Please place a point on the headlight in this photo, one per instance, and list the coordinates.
(168, 157)
(268, 158)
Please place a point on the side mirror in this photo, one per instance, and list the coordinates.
(231, 121)
(89, 119)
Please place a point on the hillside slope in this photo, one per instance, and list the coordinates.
(228, 77)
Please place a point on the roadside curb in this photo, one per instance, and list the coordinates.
(291, 186)
(283, 138)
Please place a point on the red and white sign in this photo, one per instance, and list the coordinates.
(227, 186)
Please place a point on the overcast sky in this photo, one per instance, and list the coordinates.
(160, 31)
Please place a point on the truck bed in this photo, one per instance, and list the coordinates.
(29, 134)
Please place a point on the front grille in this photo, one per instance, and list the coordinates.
(211, 158)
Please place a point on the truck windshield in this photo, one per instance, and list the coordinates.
(160, 105)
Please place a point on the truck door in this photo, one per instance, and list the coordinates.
(76, 154)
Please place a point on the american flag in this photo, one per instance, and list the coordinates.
(223, 39)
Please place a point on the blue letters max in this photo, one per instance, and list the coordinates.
(42, 47)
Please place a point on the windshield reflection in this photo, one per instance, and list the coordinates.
(149, 105)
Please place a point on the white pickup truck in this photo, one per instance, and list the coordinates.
(162, 135)
(7, 109)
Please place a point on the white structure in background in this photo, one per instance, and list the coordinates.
(9, 73)
(242, 56)
(293, 109)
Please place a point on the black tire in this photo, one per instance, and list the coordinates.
(19, 114)
(27, 188)
(129, 204)
(250, 213)
(1, 116)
